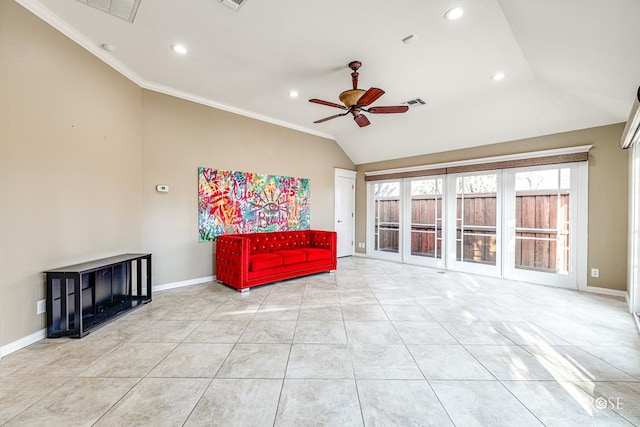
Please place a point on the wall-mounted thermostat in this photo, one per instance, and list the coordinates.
(161, 188)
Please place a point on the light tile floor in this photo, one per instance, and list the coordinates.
(374, 343)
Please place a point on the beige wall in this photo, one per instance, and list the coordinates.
(70, 163)
(179, 137)
(81, 151)
(608, 176)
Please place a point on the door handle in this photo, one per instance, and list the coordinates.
(339, 221)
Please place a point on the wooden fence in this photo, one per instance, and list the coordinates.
(540, 244)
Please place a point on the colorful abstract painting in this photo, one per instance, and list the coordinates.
(244, 202)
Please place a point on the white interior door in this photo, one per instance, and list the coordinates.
(345, 184)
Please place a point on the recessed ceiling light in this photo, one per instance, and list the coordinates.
(497, 76)
(454, 13)
(108, 47)
(179, 48)
(293, 94)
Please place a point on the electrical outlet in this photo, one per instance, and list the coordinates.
(41, 306)
(361, 245)
(595, 272)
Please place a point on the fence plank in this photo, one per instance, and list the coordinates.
(534, 210)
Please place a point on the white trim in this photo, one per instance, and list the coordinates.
(61, 25)
(633, 245)
(483, 160)
(23, 342)
(173, 285)
(345, 173)
(582, 227)
(605, 291)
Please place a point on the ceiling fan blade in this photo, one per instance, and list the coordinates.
(327, 103)
(389, 110)
(361, 120)
(330, 117)
(370, 96)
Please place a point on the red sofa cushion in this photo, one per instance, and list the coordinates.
(292, 257)
(314, 254)
(263, 261)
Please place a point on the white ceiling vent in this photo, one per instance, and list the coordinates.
(414, 103)
(233, 4)
(123, 9)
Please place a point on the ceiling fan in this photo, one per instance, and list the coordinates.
(355, 100)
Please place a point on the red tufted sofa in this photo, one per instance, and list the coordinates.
(246, 260)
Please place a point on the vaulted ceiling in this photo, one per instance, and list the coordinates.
(568, 64)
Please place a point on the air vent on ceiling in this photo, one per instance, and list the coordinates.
(123, 9)
(417, 102)
(233, 4)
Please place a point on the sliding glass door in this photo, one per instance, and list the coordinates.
(386, 219)
(541, 211)
(526, 224)
(424, 234)
(474, 223)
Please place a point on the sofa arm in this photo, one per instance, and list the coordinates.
(232, 260)
(326, 240)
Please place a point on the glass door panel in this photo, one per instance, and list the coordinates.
(540, 209)
(542, 220)
(386, 219)
(425, 239)
(476, 223)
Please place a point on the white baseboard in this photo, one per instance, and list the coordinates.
(23, 342)
(605, 291)
(37, 336)
(189, 282)
(627, 300)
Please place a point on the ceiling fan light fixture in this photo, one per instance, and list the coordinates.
(350, 97)
(293, 94)
(357, 100)
(454, 13)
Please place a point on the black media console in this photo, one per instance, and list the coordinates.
(84, 296)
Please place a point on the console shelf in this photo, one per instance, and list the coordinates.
(84, 296)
